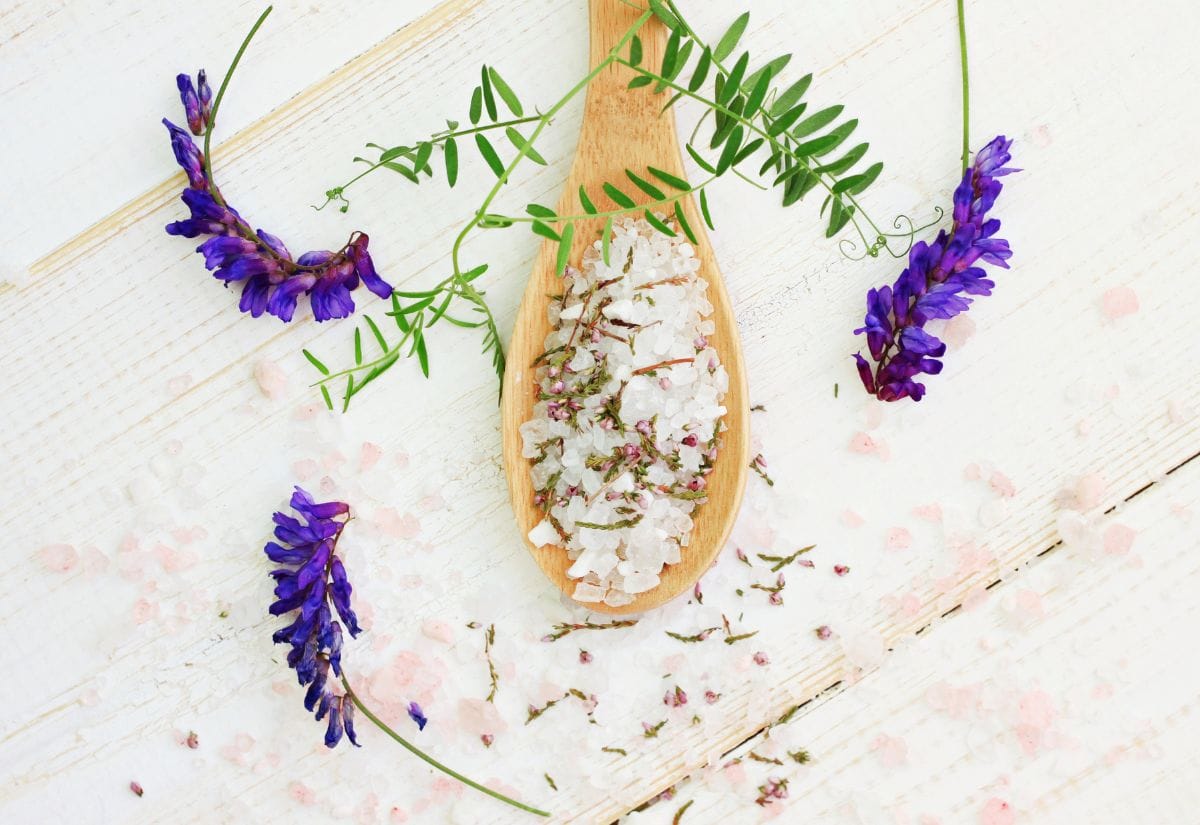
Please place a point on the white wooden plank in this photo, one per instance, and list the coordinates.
(136, 412)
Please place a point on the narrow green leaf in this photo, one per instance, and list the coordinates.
(328, 399)
(518, 140)
(489, 154)
(726, 125)
(585, 201)
(402, 169)
(665, 15)
(682, 220)
(758, 93)
(671, 102)
(564, 249)
(357, 346)
(729, 40)
(845, 162)
(476, 105)
(839, 134)
(704, 209)
(506, 93)
(618, 197)
(383, 345)
(816, 146)
(782, 123)
(868, 177)
(423, 356)
(701, 72)
(772, 69)
(539, 211)
(606, 241)
(491, 220)
(681, 60)
(451, 158)
(411, 308)
(730, 151)
(396, 152)
(733, 83)
(793, 190)
(657, 223)
(489, 100)
(838, 217)
(700, 161)
(670, 55)
(747, 150)
(424, 153)
(645, 185)
(397, 314)
(635, 50)
(791, 96)
(472, 274)
(816, 121)
(312, 359)
(640, 81)
(669, 179)
(544, 230)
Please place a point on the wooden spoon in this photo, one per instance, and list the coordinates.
(623, 129)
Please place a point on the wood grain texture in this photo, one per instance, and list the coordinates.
(132, 412)
(623, 130)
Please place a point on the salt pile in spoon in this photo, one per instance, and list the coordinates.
(626, 427)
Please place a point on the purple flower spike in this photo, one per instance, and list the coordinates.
(415, 713)
(312, 583)
(272, 281)
(937, 284)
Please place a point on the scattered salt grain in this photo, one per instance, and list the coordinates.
(272, 380)
(58, 558)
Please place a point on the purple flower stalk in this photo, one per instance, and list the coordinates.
(312, 581)
(936, 284)
(271, 279)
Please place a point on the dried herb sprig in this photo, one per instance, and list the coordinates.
(563, 629)
(779, 562)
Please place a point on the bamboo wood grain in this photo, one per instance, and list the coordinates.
(621, 130)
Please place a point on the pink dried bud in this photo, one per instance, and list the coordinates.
(539, 499)
(824, 632)
(606, 424)
(193, 740)
(711, 696)
(741, 555)
(761, 659)
(558, 387)
(136, 788)
(664, 383)
(696, 484)
(553, 372)
(760, 461)
(704, 634)
(712, 365)
(633, 451)
(690, 440)
(700, 343)
(487, 739)
(806, 563)
(780, 581)
(547, 638)
(585, 657)
(841, 569)
(595, 336)
(775, 599)
(696, 593)
(643, 427)
(611, 496)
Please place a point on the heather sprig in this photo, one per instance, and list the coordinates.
(314, 591)
(942, 276)
(272, 280)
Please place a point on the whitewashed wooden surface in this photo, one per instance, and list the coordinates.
(1063, 689)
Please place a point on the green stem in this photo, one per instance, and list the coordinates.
(212, 114)
(430, 760)
(966, 86)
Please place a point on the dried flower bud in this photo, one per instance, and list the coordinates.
(824, 632)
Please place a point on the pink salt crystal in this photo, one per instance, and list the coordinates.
(1089, 491)
(399, 526)
(58, 558)
(997, 812)
(304, 469)
(397, 815)
(302, 793)
(897, 538)
(432, 502)
(874, 414)
(862, 444)
(1119, 302)
(332, 460)
(272, 380)
(174, 447)
(892, 750)
(1002, 485)
(172, 560)
(307, 412)
(972, 472)
(144, 611)
(369, 455)
(1083, 427)
(179, 383)
(1036, 709)
(852, 519)
(401, 460)
(439, 631)
(975, 598)
(1029, 604)
(1118, 539)
(958, 331)
(928, 512)
(326, 486)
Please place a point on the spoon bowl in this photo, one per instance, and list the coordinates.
(625, 129)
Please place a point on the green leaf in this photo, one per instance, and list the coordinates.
(618, 197)
(674, 99)
(700, 161)
(725, 125)
(730, 151)
(681, 61)
(657, 223)
(665, 15)
(402, 169)
(817, 121)
(701, 71)
(383, 344)
(646, 186)
(585, 201)
(395, 152)
(635, 50)
(312, 359)
(791, 96)
(357, 347)
(758, 92)
(606, 240)
(704, 209)
(489, 154)
(816, 146)
(747, 150)
(640, 81)
(729, 40)
(868, 177)
(506, 93)
(476, 105)
(539, 211)
(839, 216)
(682, 220)
(784, 121)
(397, 314)
(411, 308)
(451, 158)
(845, 162)
(472, 274)
(564, 249)
(669, 179)
(733, 82)
(489, 100)
(325, 395)
(772, 69)
(839, 134)
(670, 55)
(423, 356)
(518, 140)
(424, 153)
(491, 220)
(544, 230)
